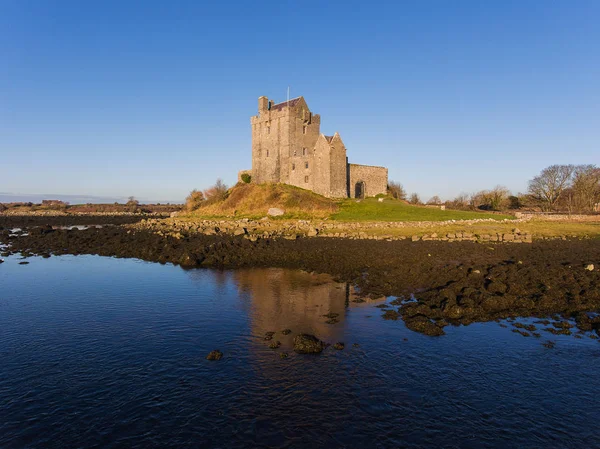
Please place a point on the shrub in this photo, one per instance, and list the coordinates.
(194, 200)
(246, 178)
(396, 190)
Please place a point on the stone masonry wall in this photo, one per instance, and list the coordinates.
(375, 179)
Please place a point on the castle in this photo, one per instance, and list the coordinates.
(288, 147)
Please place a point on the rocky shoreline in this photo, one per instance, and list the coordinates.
(435, 284)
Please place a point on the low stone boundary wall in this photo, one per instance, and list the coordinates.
(557, 217)
(255, 229)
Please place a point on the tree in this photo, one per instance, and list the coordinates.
(460, 202)
(497, 197)
(246, 178)
(435, 200)
(194, 200)
(132, 204)
(414, 199)
(217, 192)
(396, 190)
(586, 187)
(131, 201)
(547, 187)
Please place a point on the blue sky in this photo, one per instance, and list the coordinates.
(153, 98)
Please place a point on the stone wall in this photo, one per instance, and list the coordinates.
(375, 179)
(593, 218)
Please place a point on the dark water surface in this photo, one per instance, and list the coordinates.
(100, 352)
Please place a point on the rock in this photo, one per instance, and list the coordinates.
(312, 233)
(286, 331)
(308, 344)
(269, 336)
(190, 260)
(239, 231)
(23, 263)
(454, 312)
(1, 260)
(275, 344)
(283, 355)
(415, 238)
(424, 326)
(214, 355)
(339, 346)
(391, 315)
(590, 267)
(275, 212)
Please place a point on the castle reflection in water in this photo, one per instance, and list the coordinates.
(278, 298)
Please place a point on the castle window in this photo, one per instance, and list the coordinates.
(304, 130)
(303, 151)
(293, 166)
(267, 153)
(268, 130)
(294, 152)
(306, 165)
(306, 179)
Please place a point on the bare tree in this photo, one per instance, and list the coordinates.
(586, 187)
(217, 192)
(435, 200)
(460, 202)
(547, 187)
(131, 201)
(414, 199)
(396, 190)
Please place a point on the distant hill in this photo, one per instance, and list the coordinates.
(71, 199)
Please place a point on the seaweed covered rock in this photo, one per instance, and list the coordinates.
(424, 325)
(308, 344)
(214, 355)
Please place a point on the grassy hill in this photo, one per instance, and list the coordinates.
(254, 200)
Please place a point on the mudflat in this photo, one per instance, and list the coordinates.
(436, 283)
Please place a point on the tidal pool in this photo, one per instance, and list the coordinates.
(104, 352)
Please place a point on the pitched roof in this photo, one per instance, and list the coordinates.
(283, 104)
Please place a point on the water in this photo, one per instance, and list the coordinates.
(100, 352)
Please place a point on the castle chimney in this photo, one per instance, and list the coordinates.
(263, 104)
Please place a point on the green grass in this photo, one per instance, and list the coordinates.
(394, 210)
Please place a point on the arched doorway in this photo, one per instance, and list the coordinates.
(359, 189)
